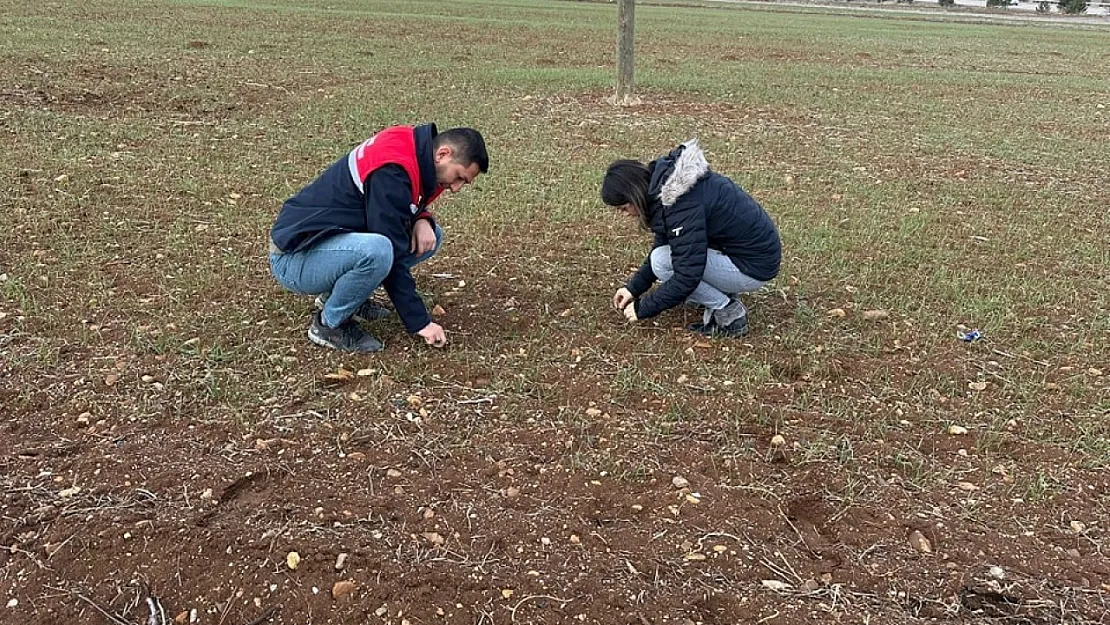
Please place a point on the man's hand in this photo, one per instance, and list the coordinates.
(423, 237)
(623, 297)
(630, 312)
(433, 334)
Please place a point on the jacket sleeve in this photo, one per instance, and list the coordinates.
(686, 234)
(645, 276)
(388, 212)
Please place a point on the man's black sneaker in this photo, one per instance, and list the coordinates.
(369, 311)
(735, 329)
(348, 337)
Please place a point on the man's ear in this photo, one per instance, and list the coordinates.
(444, 153)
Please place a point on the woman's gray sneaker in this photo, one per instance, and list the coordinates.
(348, 337)
(369, 311)
(737, 328)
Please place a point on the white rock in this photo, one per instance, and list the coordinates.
(680, 482)
(997, 572)
(13, 602)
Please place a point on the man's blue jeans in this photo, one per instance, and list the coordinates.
(347, 268)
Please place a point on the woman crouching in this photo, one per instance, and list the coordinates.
(712, 240)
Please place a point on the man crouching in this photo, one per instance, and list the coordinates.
(364, 223)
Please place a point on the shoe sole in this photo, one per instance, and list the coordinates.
(698, 328)
(322, 342)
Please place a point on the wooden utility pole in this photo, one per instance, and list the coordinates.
(626, 65)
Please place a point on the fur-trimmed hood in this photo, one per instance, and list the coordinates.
(676, 173)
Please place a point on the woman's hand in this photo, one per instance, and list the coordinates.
(622, 298)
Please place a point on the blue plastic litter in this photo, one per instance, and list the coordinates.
(970, 336)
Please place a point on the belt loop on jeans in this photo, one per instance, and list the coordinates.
(274, 249)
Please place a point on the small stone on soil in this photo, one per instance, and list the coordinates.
(680, 482)
(920, 543)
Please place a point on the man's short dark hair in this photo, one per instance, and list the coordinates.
(468, 144)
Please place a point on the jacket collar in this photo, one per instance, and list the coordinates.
(425, 160)
(676, 173)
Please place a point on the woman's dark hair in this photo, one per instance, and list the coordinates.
(626, 182)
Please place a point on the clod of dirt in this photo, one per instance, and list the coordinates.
(340, 375)
(342, 587)
(69, 492)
